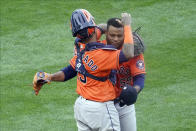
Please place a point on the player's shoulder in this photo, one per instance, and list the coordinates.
(109, 47)
(135, 59)
(97, 46)
(140, 56)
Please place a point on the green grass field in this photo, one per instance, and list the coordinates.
(35, 35)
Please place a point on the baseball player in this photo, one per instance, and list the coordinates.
(94, 108)
(130, 73)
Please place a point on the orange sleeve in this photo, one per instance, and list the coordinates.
(137, 65)
(73, 61)
(128, 37)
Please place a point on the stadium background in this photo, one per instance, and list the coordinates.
(35, 35)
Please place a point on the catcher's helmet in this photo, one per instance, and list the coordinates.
(81, 19)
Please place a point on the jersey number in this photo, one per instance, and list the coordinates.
(83, 78)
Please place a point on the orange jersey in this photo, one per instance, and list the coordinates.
(99, 63)
(128, 70)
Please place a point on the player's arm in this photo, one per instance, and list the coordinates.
(58, 76)
(42, 78)
(102, 27)
(138, 82)
(137, 67)
(128, 46)
(65, 74)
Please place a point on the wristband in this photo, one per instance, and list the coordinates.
(128, 37)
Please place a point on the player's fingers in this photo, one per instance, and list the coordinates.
(125, 14)
(119, 21)
(36, 90)
(36, 93)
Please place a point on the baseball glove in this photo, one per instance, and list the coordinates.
(39, 80)
(139, 46)
(128, 96)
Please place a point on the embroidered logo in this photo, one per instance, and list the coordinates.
(140, 64)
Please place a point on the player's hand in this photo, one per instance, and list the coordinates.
(126, 18)
(128, 95)
(121, 103)
(39, 80)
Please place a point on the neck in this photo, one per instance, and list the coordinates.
(92, 39)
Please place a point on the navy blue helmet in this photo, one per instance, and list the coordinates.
(81, 19)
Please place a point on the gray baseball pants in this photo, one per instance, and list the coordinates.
(96, 116)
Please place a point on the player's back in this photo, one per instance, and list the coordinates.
(98, 62)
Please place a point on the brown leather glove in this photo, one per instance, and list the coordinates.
(39, 80)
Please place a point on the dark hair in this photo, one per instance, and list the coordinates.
(114, 22)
